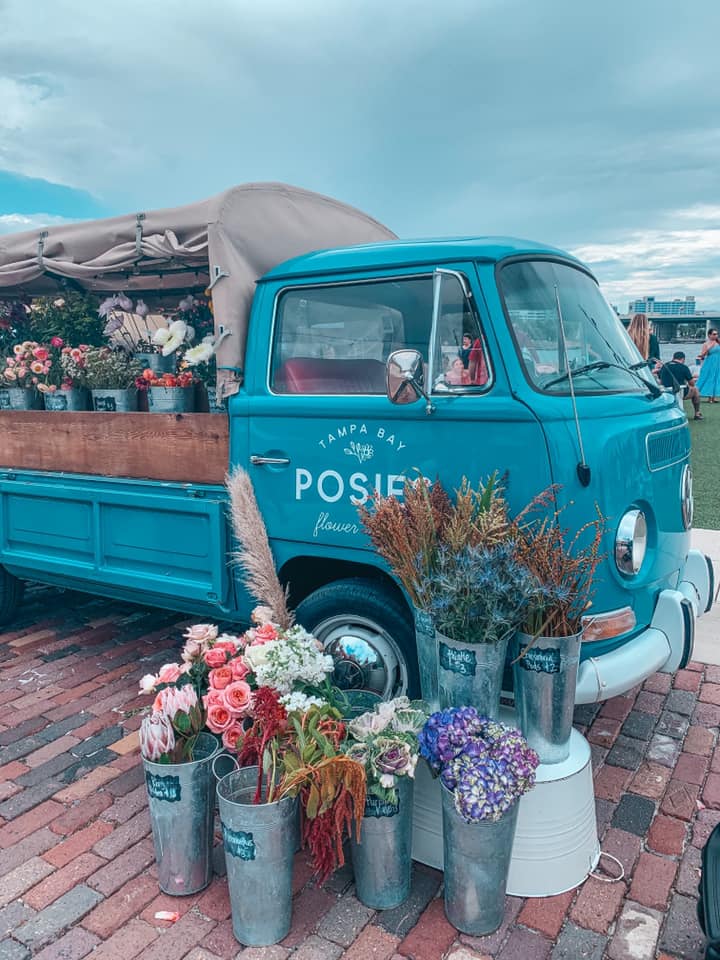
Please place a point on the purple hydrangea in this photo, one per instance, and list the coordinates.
(487, 765)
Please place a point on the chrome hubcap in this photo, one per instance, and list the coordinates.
(366, 657)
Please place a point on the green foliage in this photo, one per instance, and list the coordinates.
(70, 315)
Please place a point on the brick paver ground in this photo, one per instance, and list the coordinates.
(77, 874)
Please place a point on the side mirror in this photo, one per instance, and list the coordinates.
(405, 376)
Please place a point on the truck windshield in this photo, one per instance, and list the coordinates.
(562, 326)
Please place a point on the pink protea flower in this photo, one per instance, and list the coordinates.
(156, 736)
(174, 700)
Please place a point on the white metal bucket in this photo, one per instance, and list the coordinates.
(556, 843)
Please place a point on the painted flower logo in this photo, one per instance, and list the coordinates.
(363, 451)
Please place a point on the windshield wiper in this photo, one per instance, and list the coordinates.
(585, 368)
(621, 364)
(652, 390)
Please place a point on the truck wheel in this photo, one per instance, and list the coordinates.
(370, 636)
(11, 594)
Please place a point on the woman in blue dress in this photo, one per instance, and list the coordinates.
(708, 383)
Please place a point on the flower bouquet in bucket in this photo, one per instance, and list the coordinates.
(547, 646)
(385, 742)
(177, 756)
(485, 767)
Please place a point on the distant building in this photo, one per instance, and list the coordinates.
(673, 308)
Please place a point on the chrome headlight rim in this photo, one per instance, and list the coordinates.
(631, 542)
(687, 504)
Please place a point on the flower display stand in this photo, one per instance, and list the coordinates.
(556, 843)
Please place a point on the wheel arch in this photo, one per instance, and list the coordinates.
(305, 574)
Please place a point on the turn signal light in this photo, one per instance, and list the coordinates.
(605, 626)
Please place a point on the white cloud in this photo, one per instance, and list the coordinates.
(17, 222)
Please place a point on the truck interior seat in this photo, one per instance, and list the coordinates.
(318, 376)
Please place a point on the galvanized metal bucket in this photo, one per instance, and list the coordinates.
(156, 362)
(471, 674)
(426, 642)
(20, 398)
(171, 399)
(545, 680)
(476, 864)
(382, 859)
(181, 799)
(114, 401)
(259, 844)
(74, 399)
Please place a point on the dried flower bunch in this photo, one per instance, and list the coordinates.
(410, 533)
(564, 565)
(385, 742)
(487, 765)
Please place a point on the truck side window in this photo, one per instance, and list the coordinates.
(335, 338)
(461, 358)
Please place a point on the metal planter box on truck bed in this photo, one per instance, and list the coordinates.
(341, 377)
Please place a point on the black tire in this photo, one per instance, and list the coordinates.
(374, 614)
(11, 594)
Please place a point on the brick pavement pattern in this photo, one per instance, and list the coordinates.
(77, 873)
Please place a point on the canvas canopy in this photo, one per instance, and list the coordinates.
(226, 242)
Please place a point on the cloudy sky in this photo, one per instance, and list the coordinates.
(594, 127)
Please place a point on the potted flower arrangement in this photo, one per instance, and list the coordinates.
(201, 360)
(458, 561)
(484, 767)
(547, 646)
(24, 368)
(177, 756)
(168, 392)
(385, 742)
(64, 384)
(111, 376)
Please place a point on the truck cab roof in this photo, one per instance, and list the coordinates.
(406, 253)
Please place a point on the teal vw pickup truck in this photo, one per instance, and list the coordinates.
(339, 374)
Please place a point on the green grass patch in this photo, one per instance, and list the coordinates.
(705, 459)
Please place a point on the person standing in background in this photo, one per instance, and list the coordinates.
(708, 382)
(644, 339)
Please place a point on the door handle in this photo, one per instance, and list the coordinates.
(257, 461)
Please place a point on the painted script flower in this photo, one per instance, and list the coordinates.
(156, 736)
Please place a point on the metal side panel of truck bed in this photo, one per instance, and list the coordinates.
(163, 543)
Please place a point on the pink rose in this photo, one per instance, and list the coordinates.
(231, 736)
(40, 353)
(213, 697)
(229, 646)
(215, 658)
(237, 695)
(57, 342)
(219, 718)
(239, 668)
(265, 633)
(202, 632)
(169, 673)
(221, 677)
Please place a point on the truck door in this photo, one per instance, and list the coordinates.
(324, 435)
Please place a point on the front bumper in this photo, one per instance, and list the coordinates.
(665, 645)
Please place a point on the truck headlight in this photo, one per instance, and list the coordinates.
(686, 496)
(631, 542)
